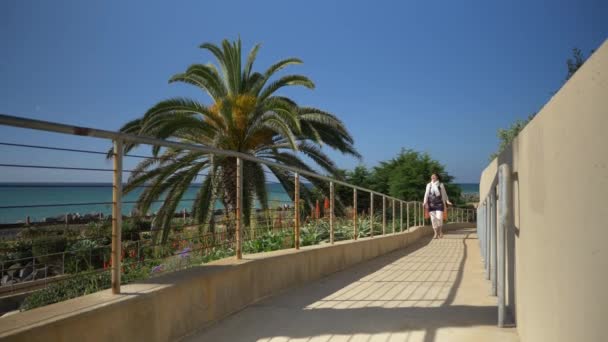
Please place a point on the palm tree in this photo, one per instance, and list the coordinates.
(246, 115)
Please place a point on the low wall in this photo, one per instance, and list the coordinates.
(174, 305)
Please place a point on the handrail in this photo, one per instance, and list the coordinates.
(118, 139)
(493, 214)
(40, 125)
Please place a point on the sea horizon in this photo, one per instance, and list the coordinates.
(41, 200)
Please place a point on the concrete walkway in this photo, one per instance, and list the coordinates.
(432, 291)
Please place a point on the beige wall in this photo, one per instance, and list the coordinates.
(561, 211)
(172, 306)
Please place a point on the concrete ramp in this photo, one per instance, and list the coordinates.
(433, 290)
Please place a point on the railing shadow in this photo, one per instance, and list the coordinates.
(389, 295)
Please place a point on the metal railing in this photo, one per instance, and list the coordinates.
(493, 222)
(286, 219)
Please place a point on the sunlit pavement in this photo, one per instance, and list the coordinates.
(431, 291)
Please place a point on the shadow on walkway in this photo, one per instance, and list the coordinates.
(409, 295)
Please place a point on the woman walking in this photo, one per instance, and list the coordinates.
(435, 199)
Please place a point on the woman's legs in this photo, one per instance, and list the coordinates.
(440, 223)
(436, 218)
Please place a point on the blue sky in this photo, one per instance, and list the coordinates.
(439, 77)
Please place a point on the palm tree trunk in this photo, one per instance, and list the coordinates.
(229, 195)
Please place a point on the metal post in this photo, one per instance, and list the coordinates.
(400, 216)
(394, 209)
(407, 209)
(239, 208)
(487, 236)
(421, 213)
(355, 214)
(415, 215)
(493, 240)
(383, 215)
(480, 229)
(296, 200)
(371, 214)
(116, 216)
(504, 174)
(331, 212)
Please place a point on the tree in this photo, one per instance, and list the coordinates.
(406, 176)
(359, 176)
(246, 115)
(506, 136)
(575, 62)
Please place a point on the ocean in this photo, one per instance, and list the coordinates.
(46, 200)
(469, 188)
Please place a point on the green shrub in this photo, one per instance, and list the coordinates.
(313, 232)
(42, 247)
(70, 288)
(269, 241)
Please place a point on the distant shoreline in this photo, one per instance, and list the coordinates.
(43, 201)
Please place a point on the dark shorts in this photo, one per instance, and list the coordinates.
(436, 207)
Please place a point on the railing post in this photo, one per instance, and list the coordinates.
(487, 236)
(296, 204)
(480, 227)
(421, 212)
(400, 216)
(239, 208)
(383, 215)
(407, 209)
(331, 212)
(394, 210)
(415, 215)
(371, 214)
(493, 240)
(504, 174)
(355, 213)
(117, 216)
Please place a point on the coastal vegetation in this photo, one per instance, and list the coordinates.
(87, 260)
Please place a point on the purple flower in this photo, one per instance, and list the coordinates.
(158, 269)
(185, 252)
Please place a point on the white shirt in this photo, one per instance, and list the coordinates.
(444, 195)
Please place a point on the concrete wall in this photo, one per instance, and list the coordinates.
(561, 207)
(175, 305)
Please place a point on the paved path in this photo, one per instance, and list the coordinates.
(433, 291)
